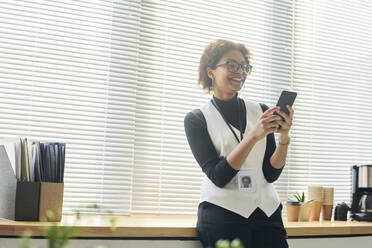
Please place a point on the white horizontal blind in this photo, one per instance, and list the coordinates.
(67, 75)
(173, 35)
(114, 80)
(285, 44)
(332, 75)
(272, 63)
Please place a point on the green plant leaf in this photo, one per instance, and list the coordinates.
(300, 197)
(26, 240)
(236, 243)
(223, 243)
(113, 223)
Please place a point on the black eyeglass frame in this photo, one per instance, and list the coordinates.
(247, 68)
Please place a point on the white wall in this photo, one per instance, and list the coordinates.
(344, 242)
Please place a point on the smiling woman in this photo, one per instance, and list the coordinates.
(232, 140)
(229, 54)
(233, 80)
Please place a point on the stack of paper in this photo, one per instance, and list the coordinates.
(35, 161)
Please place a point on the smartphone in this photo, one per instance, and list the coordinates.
(286, 98)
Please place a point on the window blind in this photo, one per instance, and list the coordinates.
(67, 75)
(331, 73)
(172, 36)
(114, 80)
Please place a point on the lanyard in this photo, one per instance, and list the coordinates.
(228, 124)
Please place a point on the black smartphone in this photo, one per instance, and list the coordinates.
(286, 98)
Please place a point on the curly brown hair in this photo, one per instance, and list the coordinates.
(213, 52)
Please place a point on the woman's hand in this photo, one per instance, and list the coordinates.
(266, 124)
(287, 123)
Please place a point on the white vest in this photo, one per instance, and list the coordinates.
(229, 197)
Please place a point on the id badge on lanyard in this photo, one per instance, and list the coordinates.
(247, 181)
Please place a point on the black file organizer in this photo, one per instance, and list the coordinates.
(27, 201)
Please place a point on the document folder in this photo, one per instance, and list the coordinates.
(27, 201)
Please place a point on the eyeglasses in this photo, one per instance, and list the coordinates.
(233, 66)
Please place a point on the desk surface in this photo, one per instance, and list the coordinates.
(169, 226)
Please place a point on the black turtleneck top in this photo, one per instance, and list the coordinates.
(217, 168)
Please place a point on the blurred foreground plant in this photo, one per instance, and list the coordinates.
(59, 236)
(224, 243)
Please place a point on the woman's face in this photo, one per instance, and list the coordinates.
(225, 81)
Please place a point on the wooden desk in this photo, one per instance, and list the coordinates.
(169, 226)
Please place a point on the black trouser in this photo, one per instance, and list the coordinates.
(257, 231)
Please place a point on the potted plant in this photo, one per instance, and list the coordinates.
(305, 207)
(293, 209)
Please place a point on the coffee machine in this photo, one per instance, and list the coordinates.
(361, 202)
